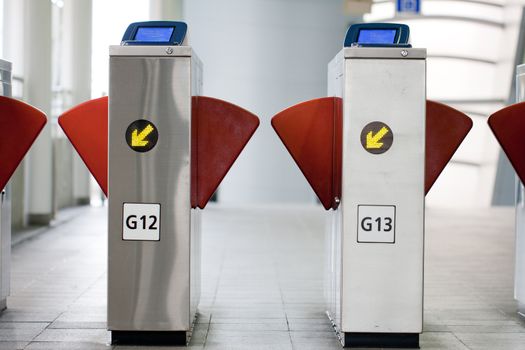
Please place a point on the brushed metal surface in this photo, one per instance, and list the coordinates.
(5, 206)
(149, 282)
(195, 262)
(333, 231)
(519, 270)
(153, 50)
(378, 287)
(195, 243)
(5, 245)
(384, 53)
(333, 258)
(382, 284)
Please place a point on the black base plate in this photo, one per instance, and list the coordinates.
(382, 340)
(148, 338)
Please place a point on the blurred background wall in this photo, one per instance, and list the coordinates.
(277, 59)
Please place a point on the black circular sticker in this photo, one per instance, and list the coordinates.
(142, 135)
(377, 137)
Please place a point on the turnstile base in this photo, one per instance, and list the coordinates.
(149, 338)
(382, 340)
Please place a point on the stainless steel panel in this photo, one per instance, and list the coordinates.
(333, 231)
(333, 250)
(195, 259)
(195, 268)
(5, 205)
(5, 246)
(384, 53)
(149, 282)
(145, 51)
(519, 271)
(382, 283)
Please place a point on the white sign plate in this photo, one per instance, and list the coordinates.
(141, 222)
(376, 224)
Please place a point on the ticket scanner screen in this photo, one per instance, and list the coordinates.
(161, 34)
(155, 33)
(377, 35)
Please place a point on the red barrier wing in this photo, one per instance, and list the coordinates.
(508, 125)
(86, 126)
(20, 124)
(220, 130)
(312, 132)
(445, 130)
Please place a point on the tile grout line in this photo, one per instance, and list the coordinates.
(276, 267)
(461, 341)
(60, 314)
(289, 333)
(207, 331)
(214, 300)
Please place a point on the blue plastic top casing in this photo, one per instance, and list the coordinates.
(400, 39)
(176, 32)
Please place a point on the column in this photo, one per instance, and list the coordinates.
(77, 76)
(37, 91)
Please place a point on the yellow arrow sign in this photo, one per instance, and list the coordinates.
(138, 139)
(372, 141)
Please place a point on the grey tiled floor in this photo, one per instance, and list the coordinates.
(262, 283)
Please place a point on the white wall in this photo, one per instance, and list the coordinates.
(265, 56)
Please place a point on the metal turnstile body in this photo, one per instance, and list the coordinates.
(166, 152)
(5, 205)
(371, 150)
(374, 283)
(153, 282)
(519, 271)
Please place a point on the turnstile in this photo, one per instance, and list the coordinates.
(167, 151)
(507, 125)
(378, 230)
(371, 155)
(153, 248)
(20, 125)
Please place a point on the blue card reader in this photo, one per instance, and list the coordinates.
(377, 35)
(155, 33)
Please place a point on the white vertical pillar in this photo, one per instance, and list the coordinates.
(37, 90)
(165, 10)
(77, 76)
(13, 48)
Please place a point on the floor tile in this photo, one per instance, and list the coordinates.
(262, 286)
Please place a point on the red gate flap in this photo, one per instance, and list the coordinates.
(311, 131)
(20, 124)
(445, 130)
(86, 126)
(508, 125)
(220, 130)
